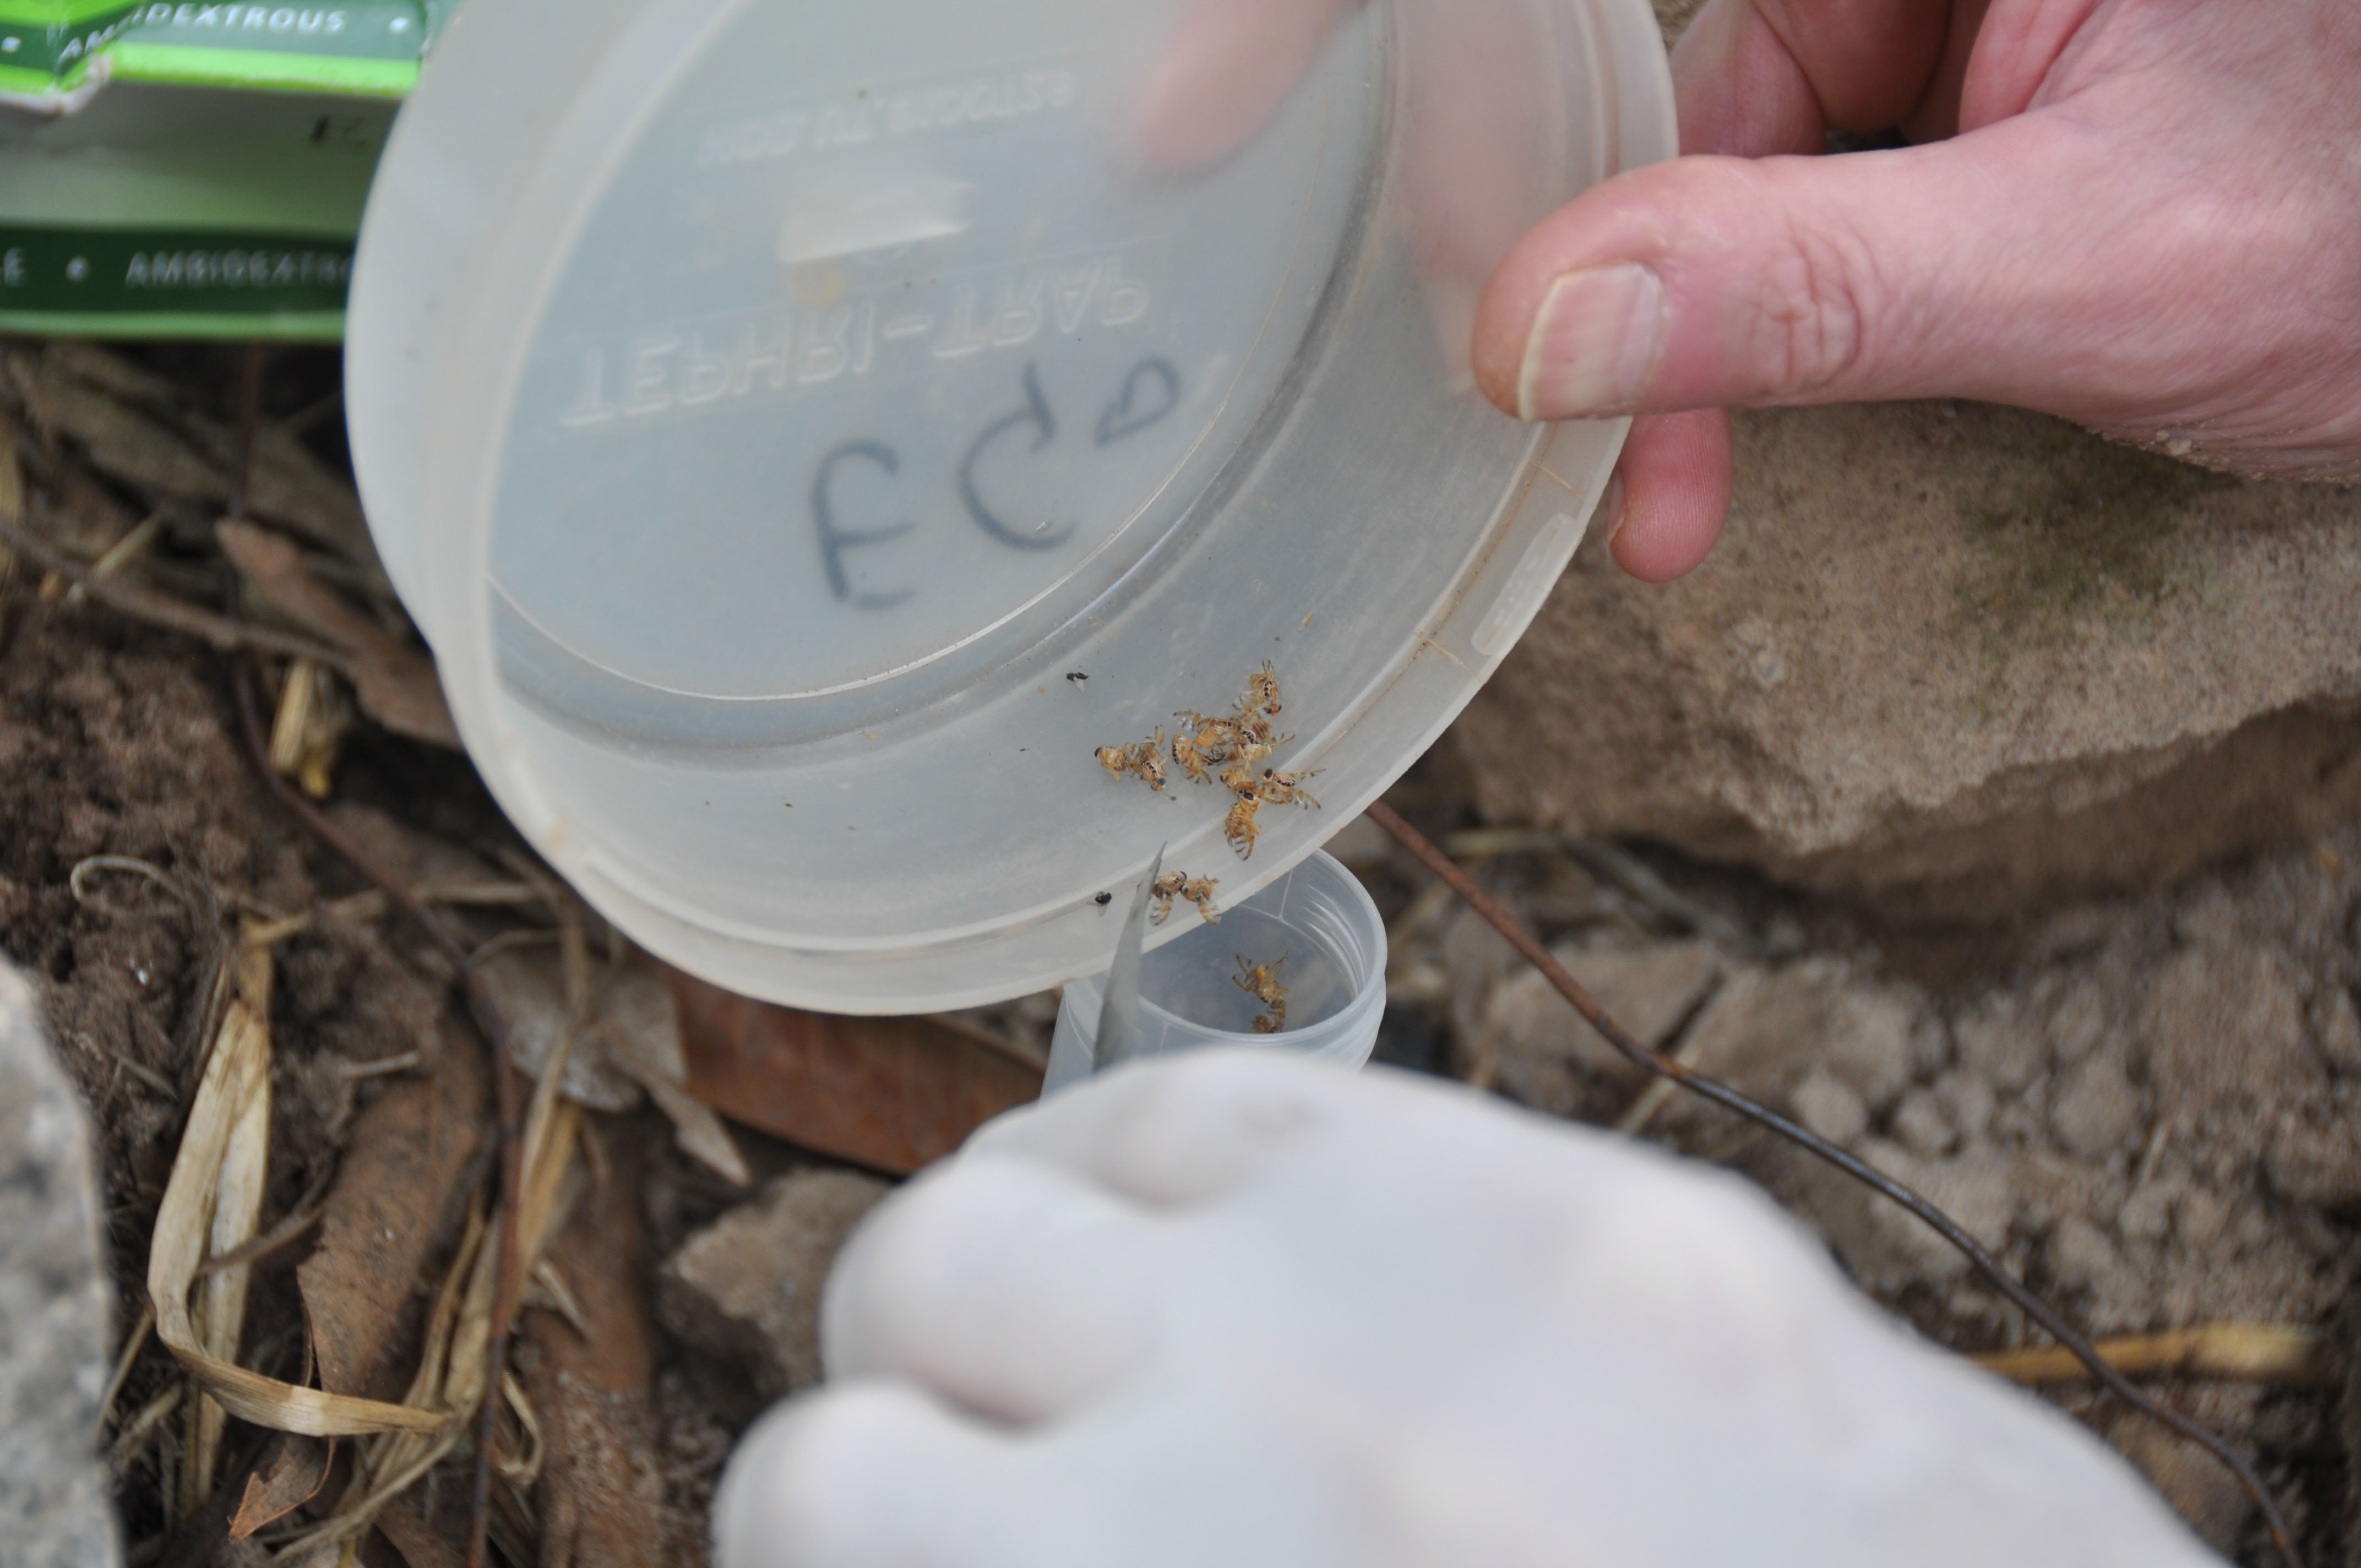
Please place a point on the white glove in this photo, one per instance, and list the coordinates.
(1237, 1309)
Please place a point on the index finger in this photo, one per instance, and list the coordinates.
(1758, 77)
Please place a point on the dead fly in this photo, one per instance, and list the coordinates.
(1256, 741)
(1238, 826)
(1261, 983)
(1136, 759)
(1198, 890)
(1203, 745)
(1262, 690)
(1164, 889)
(1225, 748)
(1276, 788)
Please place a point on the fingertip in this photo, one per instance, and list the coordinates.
(824, 1479)
(1737, 87)
(1004, 1285)
(1675, 477)
(1222, 75)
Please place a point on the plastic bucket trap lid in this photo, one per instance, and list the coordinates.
(806, 432)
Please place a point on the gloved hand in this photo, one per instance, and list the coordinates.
(1240, 1309)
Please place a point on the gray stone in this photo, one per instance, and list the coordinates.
(1889, 1250)
(56, 1309)
(1765, 1028)
(2224, 1022)
(2078, 1022)
(1998, 1044)
(1827, 1105)
(1361, 843)
(2094, 1107)
(2013, 663)
(1922, 1126)
(1544, 1049)
(2146, 1214)
(2079, 1253)
(2336, 1025)
(2199, 1217)
(1872, 1042)
(2200, 1487)
(2084, 1258)
(745, 1290)
(2314, 1157)
(1477, 958)
(1967, 1100)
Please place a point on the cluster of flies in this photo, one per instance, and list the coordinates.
(1225, 748)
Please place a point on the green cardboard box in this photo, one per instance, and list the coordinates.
(171, 169)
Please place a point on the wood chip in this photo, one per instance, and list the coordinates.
(600, 1498)
(395, 1198)
(395, 682)
(890, 1093)
(138, 429)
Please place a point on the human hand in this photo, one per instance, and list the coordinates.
(1244, 1308)
(2142, 215)
(1477, 124)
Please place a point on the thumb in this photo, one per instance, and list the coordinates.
(1711, 281)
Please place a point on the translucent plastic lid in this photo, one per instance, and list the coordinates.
(808, 432)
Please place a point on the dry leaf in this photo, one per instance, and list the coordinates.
(525, 988)
(601, 1499)
(396, 683)
(454, 1360)
(631, 1042)
(891, 1093)
(238, 1071)
(394, 1197)
(12, 497)
(290, 1475)
(420, 1543)
(637, 1026)
(220, 1314)
(137, 428)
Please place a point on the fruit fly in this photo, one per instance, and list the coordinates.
(1203, 745)
(1238, 826)
(1285, 789)
(1199, 891)
(1261, 983)
(1136, 759)
(1164, 889)
(1144, 763)
(1262, 689)
(1256, 741)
